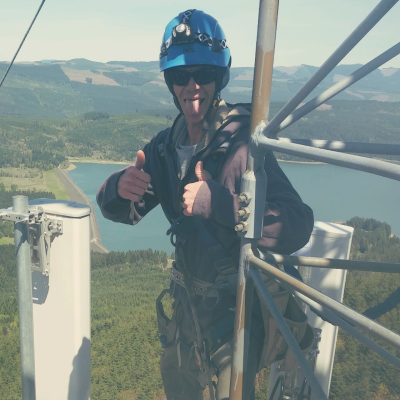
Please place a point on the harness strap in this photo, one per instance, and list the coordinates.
(200, 287)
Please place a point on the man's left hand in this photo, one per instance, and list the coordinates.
(191, 189)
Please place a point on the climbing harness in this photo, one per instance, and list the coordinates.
(222, 293)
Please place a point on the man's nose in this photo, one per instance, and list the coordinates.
(192, 84)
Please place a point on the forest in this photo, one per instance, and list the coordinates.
(47, 143)
(125, 345)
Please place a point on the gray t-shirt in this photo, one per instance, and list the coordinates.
(185, 154)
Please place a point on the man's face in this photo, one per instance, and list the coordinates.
(194, 99)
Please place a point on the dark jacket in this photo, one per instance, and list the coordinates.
(288, 222)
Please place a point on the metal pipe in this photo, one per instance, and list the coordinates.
(365, 164)
(332, 317)
(332, 263)
(369, 22)
(254, 182)
(345, 312)
(348, 147)
(288, 335)
(25, 305)
(339, 87)
(240, 335)
(263, 68)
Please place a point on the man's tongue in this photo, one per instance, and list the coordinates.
(193, 106)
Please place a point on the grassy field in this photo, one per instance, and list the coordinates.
(6, 240)
(54, 185)
(34, 179)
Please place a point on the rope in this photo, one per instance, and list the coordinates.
(23, 40)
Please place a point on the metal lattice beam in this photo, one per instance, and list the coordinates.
(369, 22)
(332, 263)
(346, 313)
(365, 164)
(287, 334)
(339, 87)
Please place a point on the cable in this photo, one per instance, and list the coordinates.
(278, 383)
(303, 396)
(23, 40)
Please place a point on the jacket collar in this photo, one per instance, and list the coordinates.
(219, 116)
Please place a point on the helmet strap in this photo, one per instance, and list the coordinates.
(216, 101)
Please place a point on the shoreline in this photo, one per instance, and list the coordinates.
(89, 161)
(72, 162)
(302, 162)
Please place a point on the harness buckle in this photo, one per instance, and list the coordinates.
(174, 225)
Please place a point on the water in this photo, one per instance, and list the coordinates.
(149, 233)
(334, 193)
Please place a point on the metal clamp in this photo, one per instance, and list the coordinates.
(40, 233)
(41, 229)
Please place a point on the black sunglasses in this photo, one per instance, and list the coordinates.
(203, 76)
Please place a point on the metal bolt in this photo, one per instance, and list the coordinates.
(244, 212)
(244, 197)
(242, 227)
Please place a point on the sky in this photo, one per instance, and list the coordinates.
(131, 30)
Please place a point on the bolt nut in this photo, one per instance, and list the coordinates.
(244, 197)
(242, 227)
(244, 212)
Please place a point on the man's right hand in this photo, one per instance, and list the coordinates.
(134, 182)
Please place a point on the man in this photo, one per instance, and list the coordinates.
(194, 169)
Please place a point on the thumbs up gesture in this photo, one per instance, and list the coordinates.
(134, 182)
(191, 189)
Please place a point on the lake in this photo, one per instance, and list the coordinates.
(334, 193)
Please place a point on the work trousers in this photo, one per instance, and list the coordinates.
(182, 384)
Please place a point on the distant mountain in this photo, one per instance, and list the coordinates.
(52, 88)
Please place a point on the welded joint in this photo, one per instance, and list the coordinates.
(254, 142)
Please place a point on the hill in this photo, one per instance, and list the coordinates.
(46, 143)
(57, 89)
(125, 346)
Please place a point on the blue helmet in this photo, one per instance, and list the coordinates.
(194, 38)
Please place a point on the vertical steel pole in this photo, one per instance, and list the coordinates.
(25, 306)
(254, 182)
